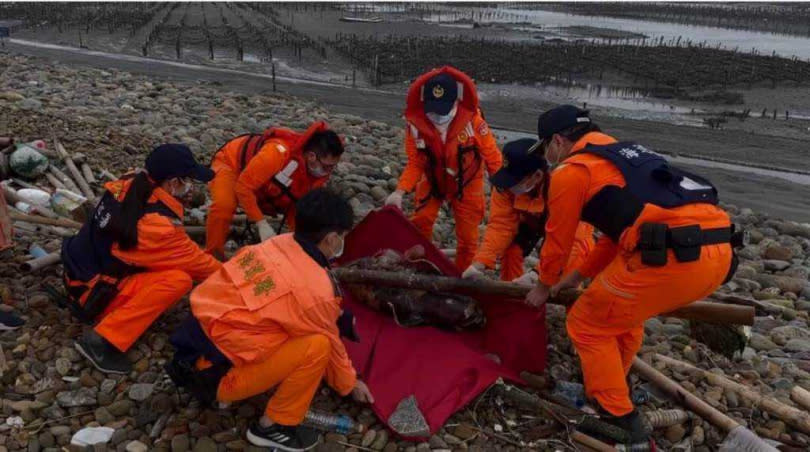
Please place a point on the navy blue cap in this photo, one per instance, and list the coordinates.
(439, 94)
(520, 158)
(560, 118)
(168, 161)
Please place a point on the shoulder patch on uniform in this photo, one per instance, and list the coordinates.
(483, 129)
(281, 148)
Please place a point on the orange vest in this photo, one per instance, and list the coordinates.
(290, 183)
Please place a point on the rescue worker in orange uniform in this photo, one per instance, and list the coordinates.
(272, 317)
(517, 217)
(132, 259)
(665, 244)
(266, 174)
(448, 144)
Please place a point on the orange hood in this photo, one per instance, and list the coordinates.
(467, 105)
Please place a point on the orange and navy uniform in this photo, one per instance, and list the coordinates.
(451, 170)
(606, 323)
(272, 311)
(163, 265)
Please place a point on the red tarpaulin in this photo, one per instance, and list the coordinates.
(442, 370)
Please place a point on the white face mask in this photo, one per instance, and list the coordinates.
(442, 119)
(521, 189)
(317, 171)
(183, 191)
(339, 252)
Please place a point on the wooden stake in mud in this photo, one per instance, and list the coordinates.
(699, 310)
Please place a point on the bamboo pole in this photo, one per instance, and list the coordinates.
(686, 398)
(699, 310)
(55, 181)
(63, 222)
(41, 262)
(67, 182)
(74, 171)
(794, 417)
(88, 173)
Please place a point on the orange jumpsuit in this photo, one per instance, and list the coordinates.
(506, 211)
(253, 179)
(272, 311)
(170, 259)
(433, 168)
(606, 323)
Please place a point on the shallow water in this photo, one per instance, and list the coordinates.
(797, 178)
(763, 42)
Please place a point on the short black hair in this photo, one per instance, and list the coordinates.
(325, 142)
(578, 131)
(320, 212)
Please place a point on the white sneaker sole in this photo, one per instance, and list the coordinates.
(93, 362)
(8, 328)
(264, 442)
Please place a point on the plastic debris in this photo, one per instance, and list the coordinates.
(35, 196)
(67, 203)
(89, 436)
(27, 161)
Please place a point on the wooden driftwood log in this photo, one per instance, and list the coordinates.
(64, 222)
(794, 417)
(78, 178)
(41, 262)
(699, 310)
(737, 433)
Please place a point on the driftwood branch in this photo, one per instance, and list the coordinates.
(700, 310)
(74, 171)
(794, 417)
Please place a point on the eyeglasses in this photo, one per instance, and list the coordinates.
(326, 166)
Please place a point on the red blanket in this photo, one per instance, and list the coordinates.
(443, 371)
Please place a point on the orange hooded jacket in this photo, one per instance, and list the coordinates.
(266, 295)
(450, 166)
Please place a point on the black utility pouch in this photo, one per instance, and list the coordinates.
(686, 242)
(100, 297)
(653, 244)
(528, 236)
(739, 237)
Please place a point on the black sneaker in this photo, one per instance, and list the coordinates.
(283, 437)
(9, 321)
(634, 423)
(104, 356)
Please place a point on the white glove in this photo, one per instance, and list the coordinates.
(473, 272)
(527, 279)
(395, 199)
(265, 231)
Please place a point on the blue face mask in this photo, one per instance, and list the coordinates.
(442, 119)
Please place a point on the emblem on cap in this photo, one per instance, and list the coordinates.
(438, 91)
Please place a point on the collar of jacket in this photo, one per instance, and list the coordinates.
(312, 250)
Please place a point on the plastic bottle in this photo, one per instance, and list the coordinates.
(571, 393)
(36, 251)
(332, 422)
